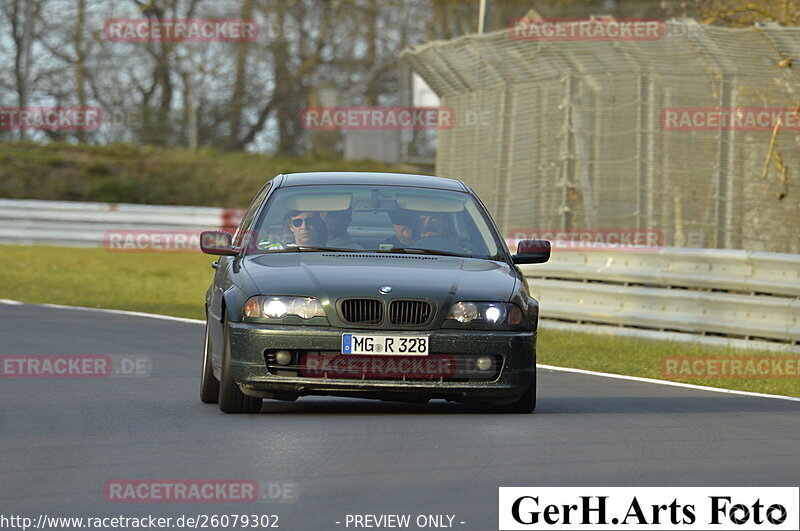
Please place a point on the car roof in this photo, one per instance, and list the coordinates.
(371, 178)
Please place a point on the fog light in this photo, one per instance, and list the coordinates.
(484, 363)
(283, 357)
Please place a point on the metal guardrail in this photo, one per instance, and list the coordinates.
(721, 269)
(76, 223)
(750, 295)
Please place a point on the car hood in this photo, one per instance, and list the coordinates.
(330, 276)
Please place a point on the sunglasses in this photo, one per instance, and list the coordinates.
(309, 221)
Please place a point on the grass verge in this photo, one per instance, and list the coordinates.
(645, 358)
(170, 283)
(174, 283)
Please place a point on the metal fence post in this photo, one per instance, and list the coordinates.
(644, 152)
(568, 162)
(724, 177)
(504, 158)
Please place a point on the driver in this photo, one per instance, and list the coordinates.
(307, 227)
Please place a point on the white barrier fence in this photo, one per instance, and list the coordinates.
(743, 294)
(740, 294)
(75, 223)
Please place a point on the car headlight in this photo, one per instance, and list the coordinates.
(488, 313)
(271, 307)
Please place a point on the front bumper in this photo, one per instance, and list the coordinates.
(515, 352)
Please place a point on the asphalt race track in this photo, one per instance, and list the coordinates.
(62, 439)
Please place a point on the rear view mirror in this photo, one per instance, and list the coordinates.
(217, 242)
(532, 252)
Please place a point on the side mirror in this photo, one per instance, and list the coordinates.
(217, 242)
(532, 252)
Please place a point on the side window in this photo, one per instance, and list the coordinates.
(250, 213)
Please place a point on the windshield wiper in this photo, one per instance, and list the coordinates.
(311, 248)
(407, 250)
(417, 250)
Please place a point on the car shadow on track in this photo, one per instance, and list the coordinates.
(365, 406)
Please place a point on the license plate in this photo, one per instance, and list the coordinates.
(384, 345)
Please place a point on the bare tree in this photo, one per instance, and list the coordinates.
(736, 12)
(22, 17)
(226, 95)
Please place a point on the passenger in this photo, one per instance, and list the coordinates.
(403, 224)
(433, 230)
(337, 222)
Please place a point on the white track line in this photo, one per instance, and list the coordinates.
(538, 365)
(106, 310)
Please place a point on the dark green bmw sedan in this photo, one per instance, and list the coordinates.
(369, 285)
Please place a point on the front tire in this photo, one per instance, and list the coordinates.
(231, 398)
(209, 385)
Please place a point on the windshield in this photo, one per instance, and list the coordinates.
(374, 219)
